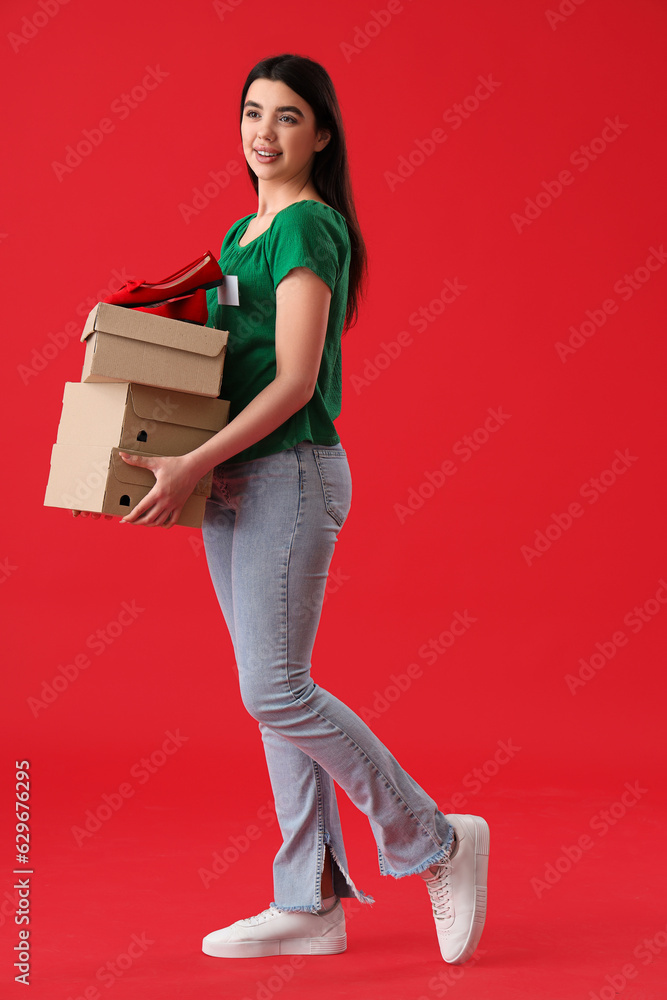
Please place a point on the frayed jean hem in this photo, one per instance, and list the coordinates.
(435, 859)
(294, 909)
(360, 896)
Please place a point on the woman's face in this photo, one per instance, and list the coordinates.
(279, 122)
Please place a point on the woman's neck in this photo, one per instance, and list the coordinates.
(272, 198)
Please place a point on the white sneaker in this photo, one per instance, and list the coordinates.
(458, 890)
(279, 932)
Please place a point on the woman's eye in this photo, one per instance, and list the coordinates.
(283, 118)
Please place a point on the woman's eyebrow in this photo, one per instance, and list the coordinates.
(283, 108)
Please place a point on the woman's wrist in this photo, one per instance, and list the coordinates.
(200, 462)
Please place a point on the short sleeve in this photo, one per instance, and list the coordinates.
(307, 234)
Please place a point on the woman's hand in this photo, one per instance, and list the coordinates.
(89, 513)
(176, 478)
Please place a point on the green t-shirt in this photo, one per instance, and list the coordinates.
(305, 234)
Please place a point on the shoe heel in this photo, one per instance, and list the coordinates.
(482, 836)
(480, 904)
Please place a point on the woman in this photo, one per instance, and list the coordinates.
(281, 493)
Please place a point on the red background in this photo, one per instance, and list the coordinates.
(398, 577)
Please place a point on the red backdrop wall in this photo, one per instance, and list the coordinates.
(503, 394)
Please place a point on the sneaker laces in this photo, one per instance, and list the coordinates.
(259, 918)
(439, 890)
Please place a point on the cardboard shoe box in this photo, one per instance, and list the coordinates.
(123, 345)
(95, 478)
(137, 417)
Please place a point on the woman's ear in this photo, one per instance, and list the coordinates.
(323, 138)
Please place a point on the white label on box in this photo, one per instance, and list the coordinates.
(228, 291)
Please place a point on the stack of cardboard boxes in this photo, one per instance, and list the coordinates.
(149, 385)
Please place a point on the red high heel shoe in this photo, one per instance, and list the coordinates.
(201, 274)
(188, 309)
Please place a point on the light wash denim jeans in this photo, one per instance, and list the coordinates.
(269, 533)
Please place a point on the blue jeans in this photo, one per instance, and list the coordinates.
(269, 533)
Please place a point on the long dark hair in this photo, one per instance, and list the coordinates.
(331, 172)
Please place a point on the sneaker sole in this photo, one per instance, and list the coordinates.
(260, 949)
(482, 842)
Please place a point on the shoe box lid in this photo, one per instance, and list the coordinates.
(138, 417)
(127, 345)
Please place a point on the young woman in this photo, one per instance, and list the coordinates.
(281, 493)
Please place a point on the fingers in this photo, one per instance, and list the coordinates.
(146, 515)
(148, 504)
(152, 519)
(143, 461)
(141, 510)
(150, 514)
(162, 505)
(141, 516)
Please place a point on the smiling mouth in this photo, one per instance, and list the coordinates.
(266, 156)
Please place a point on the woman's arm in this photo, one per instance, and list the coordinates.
(302, 312)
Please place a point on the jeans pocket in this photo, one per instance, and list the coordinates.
(336, 482)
